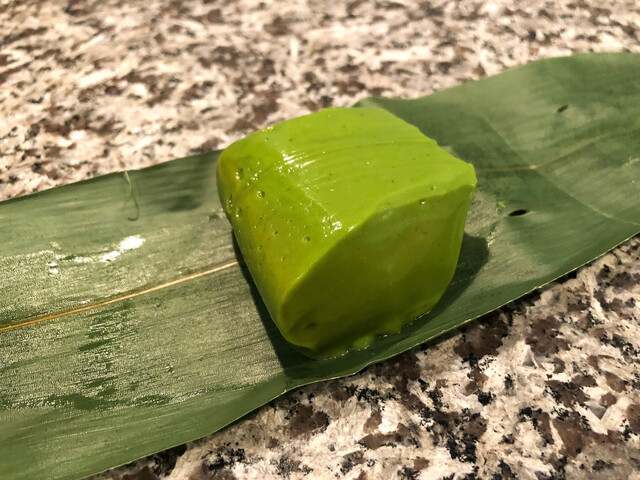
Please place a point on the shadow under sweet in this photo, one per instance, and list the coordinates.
(474, 254)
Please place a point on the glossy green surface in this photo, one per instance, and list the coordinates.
(558, 139)
(349, 220)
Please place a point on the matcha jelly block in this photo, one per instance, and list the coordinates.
(350, 221)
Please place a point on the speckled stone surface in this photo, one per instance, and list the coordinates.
(547, 387)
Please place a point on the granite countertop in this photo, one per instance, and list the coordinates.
(547, 387)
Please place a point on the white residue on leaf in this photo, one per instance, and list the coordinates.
(128, 243)
(131, 243)
(53, 268)
(110, 257)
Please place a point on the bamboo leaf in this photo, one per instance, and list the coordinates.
(128, 323)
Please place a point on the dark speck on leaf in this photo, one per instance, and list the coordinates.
(517, 213)
(562, 108)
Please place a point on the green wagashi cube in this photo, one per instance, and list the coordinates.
(349, 220)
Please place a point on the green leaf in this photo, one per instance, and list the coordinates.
(128, 324)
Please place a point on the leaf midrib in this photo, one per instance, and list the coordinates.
(121, 298)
